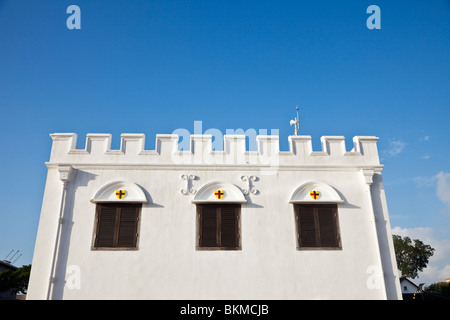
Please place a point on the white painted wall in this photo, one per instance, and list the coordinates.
(167, 265)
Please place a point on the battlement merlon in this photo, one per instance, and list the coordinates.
(132, 151)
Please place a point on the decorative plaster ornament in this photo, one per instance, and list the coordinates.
(250, 188)
(219, 194)
(189, 180)
(120, 194)
(314, 194)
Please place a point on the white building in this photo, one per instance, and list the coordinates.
(408, 287)
(203, 224)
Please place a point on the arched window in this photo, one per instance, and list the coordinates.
(219, 216)
(118, 210)
(316, 216)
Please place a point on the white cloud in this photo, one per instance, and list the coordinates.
(419, 181)
(399, 217)
(433, 274)
(395, 147)
(438, 268)
(424, 181)
(443, 187)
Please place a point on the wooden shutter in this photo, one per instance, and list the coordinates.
(128, 222)
(327, 227)
(208, 227)
(229, 227)
(306, 227)
(317, 226)
(117, 225)
(106, 226)
(218, 226)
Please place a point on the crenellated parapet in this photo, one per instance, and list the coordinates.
(132, 151)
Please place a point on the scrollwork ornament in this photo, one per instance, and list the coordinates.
(188, 189)
(250, 188)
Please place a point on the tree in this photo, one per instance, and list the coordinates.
(411, 258)
(440, 288)
(15, 279)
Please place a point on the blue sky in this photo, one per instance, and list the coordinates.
(156, 66)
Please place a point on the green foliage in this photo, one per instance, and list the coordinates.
(440, 288)
(411, 258)
(15, 279)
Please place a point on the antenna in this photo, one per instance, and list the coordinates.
(14, 254)
(9, 254)
(16, 259)
(295, 122)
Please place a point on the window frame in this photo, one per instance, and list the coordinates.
(315, 207)
(218, 207)
(117, 206)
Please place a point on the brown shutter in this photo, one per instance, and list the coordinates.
(128, 222)
(106, 226)
(218, 226)
(117, 225)
(229, 227)
(317, 226)
(327, 225)
(306, 227)
(208, 226)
